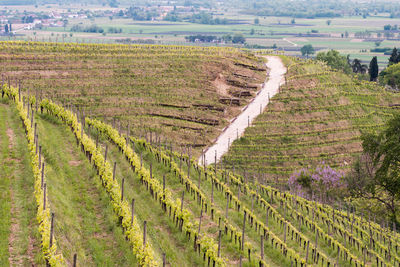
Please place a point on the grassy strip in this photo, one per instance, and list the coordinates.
(43, 214)
(5, 197)
(163, 234)
(143, 252)
(17, 210)
(182, 216)
(85, 223)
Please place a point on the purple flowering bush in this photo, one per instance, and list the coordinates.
(322, 181)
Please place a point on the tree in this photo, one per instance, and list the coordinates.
(323, 181)
(394, 57)
(238, 38)
(335, 60)
(65, 23)
(328, 22)
(307, 50)
(293, 21)
(376, 175)
(6, 28)
(256, 21)
(252, 32)
(227, 38)
(357, 67)
(387, 27)
(391, 75)
(373, 69)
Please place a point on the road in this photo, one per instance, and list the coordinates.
(249, 113)
(290, 42)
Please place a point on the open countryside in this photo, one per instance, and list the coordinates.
(199, 133)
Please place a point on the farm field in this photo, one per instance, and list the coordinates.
(317, 118)
(188, 93)
(223, 220)
(286, 34)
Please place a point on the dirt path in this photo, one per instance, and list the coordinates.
(15, 226)
(249, 113)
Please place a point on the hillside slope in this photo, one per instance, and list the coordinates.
(186, 94)
(317, 117)
(253, 223)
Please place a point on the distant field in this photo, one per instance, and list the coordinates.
(270, 31)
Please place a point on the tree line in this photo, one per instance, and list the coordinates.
(389, 76)
(237, 38)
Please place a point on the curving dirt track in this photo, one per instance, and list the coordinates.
(249, 113)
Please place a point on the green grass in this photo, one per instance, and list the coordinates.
(84, 220)
(19, 237)
(163, 235)
(229, 249)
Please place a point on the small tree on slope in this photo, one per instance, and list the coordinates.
(376, 175)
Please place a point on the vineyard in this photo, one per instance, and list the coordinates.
(185, 94)
(84, 190)
(318, 117)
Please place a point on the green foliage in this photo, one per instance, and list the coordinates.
(373, 69)
(43, 215)
(238, 38)
(357, 67)
(207, 244)
(335, 60)
(391, 75)
(389, 27)
(307, 50)
(394, 57)
(376, 174)
(133, 233)
(92, 28)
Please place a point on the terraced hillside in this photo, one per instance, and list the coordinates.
(318, 117)
(120, 200)
(185, 94)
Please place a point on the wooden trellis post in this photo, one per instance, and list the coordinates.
(219, 243)
(144, 234)
(44, 196)
(114, 169)
(74, 260)
(183, 195)
(244, 227)
(122, 189)
(51, 229)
